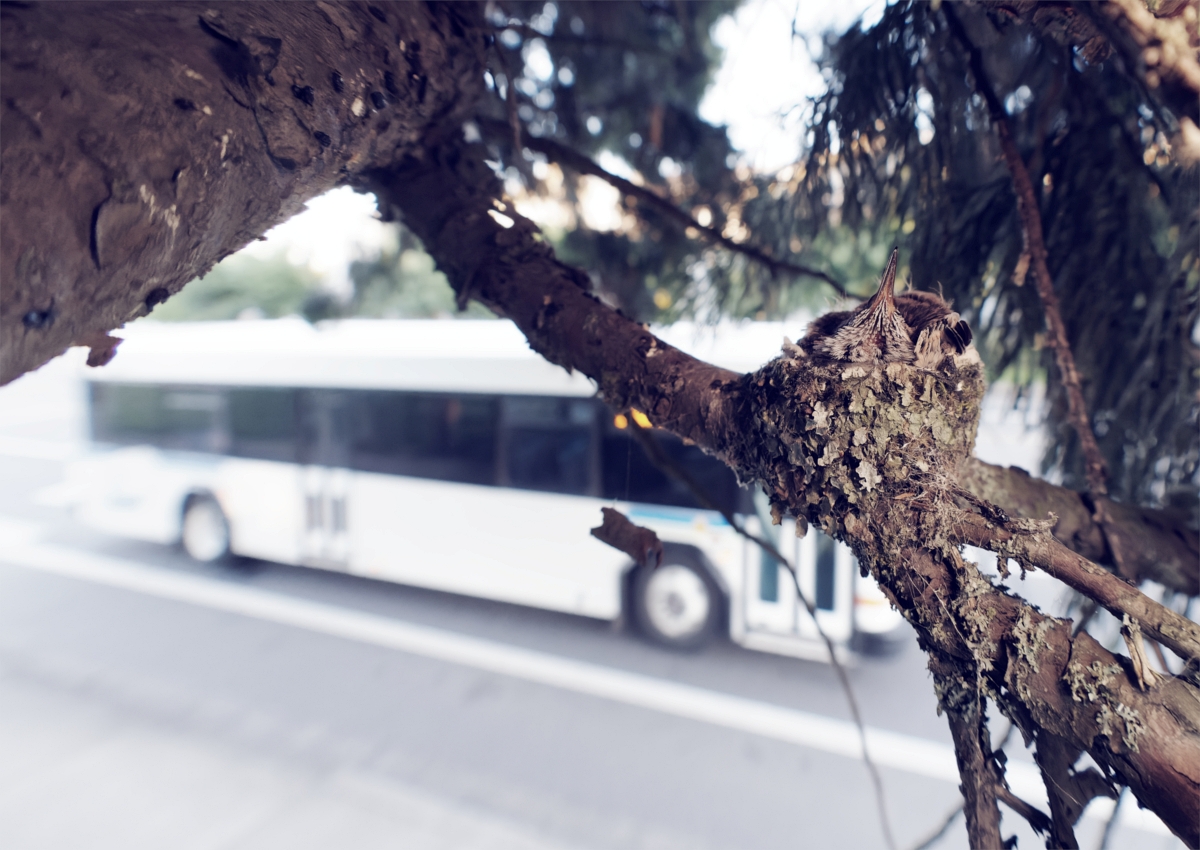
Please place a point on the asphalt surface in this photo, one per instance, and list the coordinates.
(130, 720)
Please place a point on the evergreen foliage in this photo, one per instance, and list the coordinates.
(900, 151)
(903, 133)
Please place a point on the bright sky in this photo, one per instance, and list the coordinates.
(765, 72)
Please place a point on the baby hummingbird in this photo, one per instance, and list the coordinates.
(913, 327)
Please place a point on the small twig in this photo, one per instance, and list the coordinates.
(1035, 817)
(510, 104)
(1157, 649)
(639, 543)
(1110, 826)
(936, 836)
(668, 465)
(1132, 633)
(953, 815)
(578, 162)
(1035, 245)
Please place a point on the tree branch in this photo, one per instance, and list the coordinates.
(450, 200)
(1159, 545)
(803, 429)
(1096, 468)
(963, 706)
(190, 129)
(576, 161)
(1039, 549)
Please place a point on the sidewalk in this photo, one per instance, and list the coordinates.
(75, 775)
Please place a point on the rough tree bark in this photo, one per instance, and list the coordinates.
(143, 143)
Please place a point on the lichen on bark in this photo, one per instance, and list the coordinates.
(842, 446)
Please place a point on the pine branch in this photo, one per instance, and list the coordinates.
(1159, 544)
(576, 161)
(1035, 247)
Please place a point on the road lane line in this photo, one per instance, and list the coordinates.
(31, 448)
(839, 737)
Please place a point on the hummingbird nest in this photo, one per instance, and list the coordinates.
(868, 450)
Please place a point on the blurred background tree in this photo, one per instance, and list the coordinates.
(400, 282)
(245, 286)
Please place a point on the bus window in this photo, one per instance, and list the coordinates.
(262, 424)
(630, 475)
(167, 417)
(826, 572)
(548, 444)
(425, 435)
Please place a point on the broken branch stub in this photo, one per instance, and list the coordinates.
(639, 543)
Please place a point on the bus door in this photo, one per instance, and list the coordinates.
(769, 596)
(324, 477)
(825, 572)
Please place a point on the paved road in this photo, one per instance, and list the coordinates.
(131, 720)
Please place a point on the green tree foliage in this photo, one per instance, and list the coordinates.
(400, 282)
(244, 285)
(628, 78)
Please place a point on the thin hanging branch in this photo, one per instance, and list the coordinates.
(576, 161)
(1096, 469)
(667, 464)
(939, 833)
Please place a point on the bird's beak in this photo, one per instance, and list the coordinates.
(885, 298)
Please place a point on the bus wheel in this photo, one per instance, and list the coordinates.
(677, 604)
(205, 530)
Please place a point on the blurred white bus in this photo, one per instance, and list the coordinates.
(445, 455)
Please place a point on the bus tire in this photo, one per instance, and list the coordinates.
(677, 604)
(205, 531)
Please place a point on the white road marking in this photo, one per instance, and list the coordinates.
(839, 737)
(35, 449)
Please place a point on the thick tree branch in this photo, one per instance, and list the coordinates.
(1039, 549)
(143, 143)
(828, 444)
(1159, 545)
(577, 162)
(450, 200)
